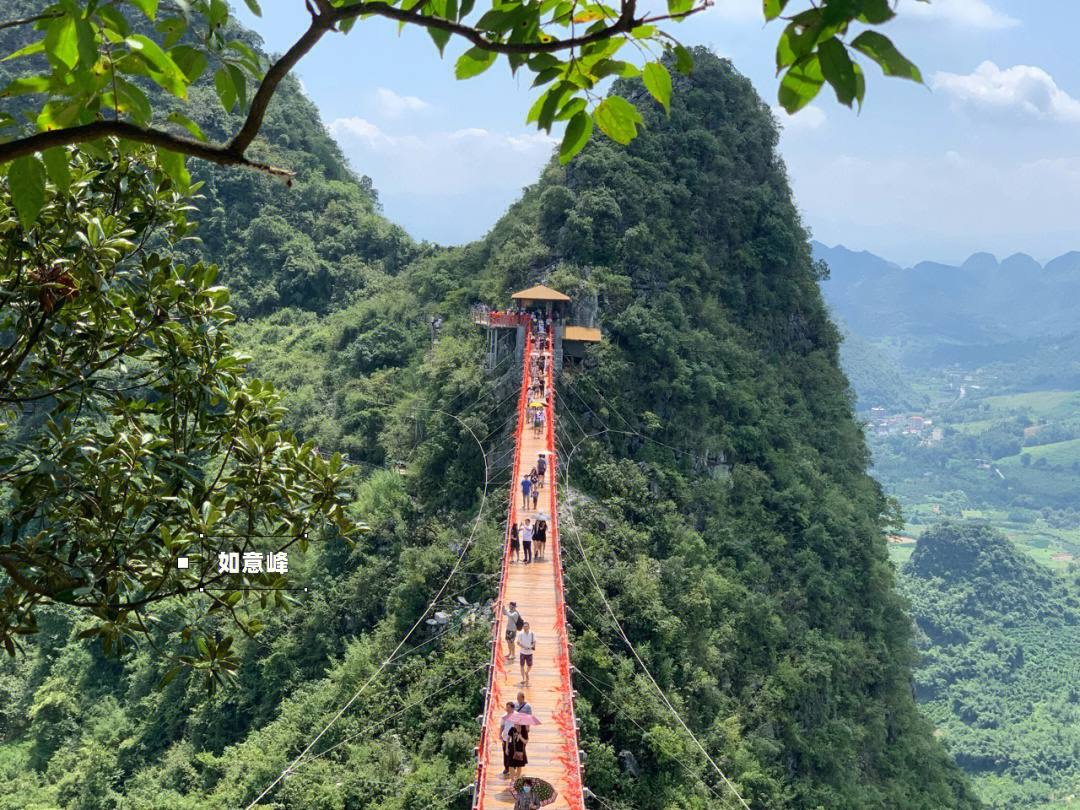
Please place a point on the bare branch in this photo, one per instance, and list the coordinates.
(30, 20)
(278, 71)
(222, 155)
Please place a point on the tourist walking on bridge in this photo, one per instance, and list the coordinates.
(515, 550)
(507, 727)
(513, 624)
(539, 538)
(526, 641)
(526, 540)
(526, 486)
(521, 704)
(518, 758)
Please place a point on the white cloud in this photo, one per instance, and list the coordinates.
(443, 163)
(392, 105)
(360, 130)
(1022, 89)
(959, 13)
(809, 117)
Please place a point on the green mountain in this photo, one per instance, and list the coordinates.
(1001, 661)
(978, 303)
(716, 490)
(875, 378)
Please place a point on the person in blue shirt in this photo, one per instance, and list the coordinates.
(526, 487)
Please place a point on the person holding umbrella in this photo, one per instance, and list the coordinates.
(518, 735)
(515, 757)
(507, 726)
(530, 792)
(526, 798)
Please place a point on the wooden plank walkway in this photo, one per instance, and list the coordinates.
(534, 586)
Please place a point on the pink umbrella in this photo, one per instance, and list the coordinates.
(523, 719)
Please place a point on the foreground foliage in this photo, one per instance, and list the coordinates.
(133, 433)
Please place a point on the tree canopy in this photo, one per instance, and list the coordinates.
(130, 433)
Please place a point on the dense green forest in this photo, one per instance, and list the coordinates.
(999, 672)
(717, 479)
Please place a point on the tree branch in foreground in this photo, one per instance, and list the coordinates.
(324, 19)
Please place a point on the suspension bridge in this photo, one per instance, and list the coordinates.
(537, 588)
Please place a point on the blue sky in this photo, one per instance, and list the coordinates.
(986, 156)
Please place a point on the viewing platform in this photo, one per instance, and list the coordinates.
(568, 339)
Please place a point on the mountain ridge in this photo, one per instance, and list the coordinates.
(979, 301)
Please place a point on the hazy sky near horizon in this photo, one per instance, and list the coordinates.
(985, 156)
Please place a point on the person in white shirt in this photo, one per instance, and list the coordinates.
(526, 642)
(526, 540)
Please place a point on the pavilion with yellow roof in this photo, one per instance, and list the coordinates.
(569, 340)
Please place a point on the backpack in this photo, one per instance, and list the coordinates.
(520, 622)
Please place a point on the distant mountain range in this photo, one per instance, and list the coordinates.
(982, 301)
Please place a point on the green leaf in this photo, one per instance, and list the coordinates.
(880, 48)
(164, 70)
(253, 7)
(439, 37)
(172, 673)
(801, 83)
(773, 8)
(190, 60)
(617, 119)
(58, 167)
(223, 83)
(643, 31)
(26, 181)
(31, 84)
(187, 123)
(251, 59)
(173, 165)
(147, 7)
(29, 50)
(88, 46)
(678, 7)
(684, 62)
(576, 136)
(173, 28)
(473, 62)
(838, 69)
(240, 83)
(62, 42)
(658, 83)
(876, 12)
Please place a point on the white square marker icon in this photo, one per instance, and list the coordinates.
(182, 562)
